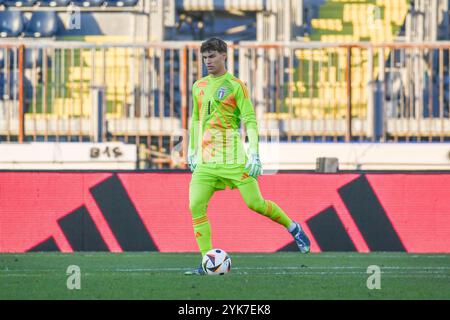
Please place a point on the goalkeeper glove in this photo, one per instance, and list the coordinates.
(254, 165)
(192, 161)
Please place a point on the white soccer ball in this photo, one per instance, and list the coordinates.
(216, 262)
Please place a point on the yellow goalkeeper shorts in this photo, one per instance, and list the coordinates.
(220, 176)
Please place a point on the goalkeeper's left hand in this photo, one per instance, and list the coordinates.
(254, 165)
(192, 160)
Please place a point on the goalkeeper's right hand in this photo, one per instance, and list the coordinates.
(254, 165)
(192, 162)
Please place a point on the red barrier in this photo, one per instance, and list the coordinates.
(45, 211)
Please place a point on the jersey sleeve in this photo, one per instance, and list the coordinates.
(248, 116)
(194, 125)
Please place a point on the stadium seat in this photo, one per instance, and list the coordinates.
(11, 23)
(56, 3)
(122, 3)
(42, 24)
(2, 57)
(20, 3)
(32, 57)
(90, 3)
(7, 56)
(8, 89)
(2, 86)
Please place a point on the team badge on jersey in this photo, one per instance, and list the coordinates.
(221, 93)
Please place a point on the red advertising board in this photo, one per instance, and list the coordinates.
(98, 211)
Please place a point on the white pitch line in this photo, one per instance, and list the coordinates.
(363, 269)
(280, 255)
(322, 273)
(342, 267)
(427, 275)
(384, 269)
(360, 255)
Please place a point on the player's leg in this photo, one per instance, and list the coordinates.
(251, 194)
(201, 188)
(252, 197)
(199, 196)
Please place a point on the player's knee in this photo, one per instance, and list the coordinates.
(257, 206)
(197, 208)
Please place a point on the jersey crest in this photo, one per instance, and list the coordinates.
(221, 93)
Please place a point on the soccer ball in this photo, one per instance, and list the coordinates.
(216, 262)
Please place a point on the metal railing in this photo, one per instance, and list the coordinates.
(141, 93)
(351, 92)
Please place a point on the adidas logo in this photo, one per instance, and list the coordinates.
(119, 212)
(366, 211)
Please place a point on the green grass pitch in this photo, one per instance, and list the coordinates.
(256, 276)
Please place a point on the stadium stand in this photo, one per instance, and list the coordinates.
(122, 3)
(21, 3)
(303, 91)
(91, 3)
(55, 3)
(344, 22)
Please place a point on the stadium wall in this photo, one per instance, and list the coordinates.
(68, 156)
(356, 156)
(274, 156)
(148, 211)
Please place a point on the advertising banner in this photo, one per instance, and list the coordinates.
(149, 211)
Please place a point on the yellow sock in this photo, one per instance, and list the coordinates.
(202, 231)
(275, 213)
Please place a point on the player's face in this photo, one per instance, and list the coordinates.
(214, 62)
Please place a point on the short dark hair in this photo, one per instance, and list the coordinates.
(214, 44)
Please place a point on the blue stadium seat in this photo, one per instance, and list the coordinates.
(55, 3)
(20, 3)
(11, 23)
(42, 24)
(9, 89)
(90, 3)
(32, 57)
(122, 3)
(2, 57)
(7, 57)
(2, 86)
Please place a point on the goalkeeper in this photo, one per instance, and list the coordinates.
(216, 153)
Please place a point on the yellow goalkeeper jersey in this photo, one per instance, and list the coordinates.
(219, 105)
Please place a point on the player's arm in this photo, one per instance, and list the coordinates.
(193, 132)
(251, 126)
